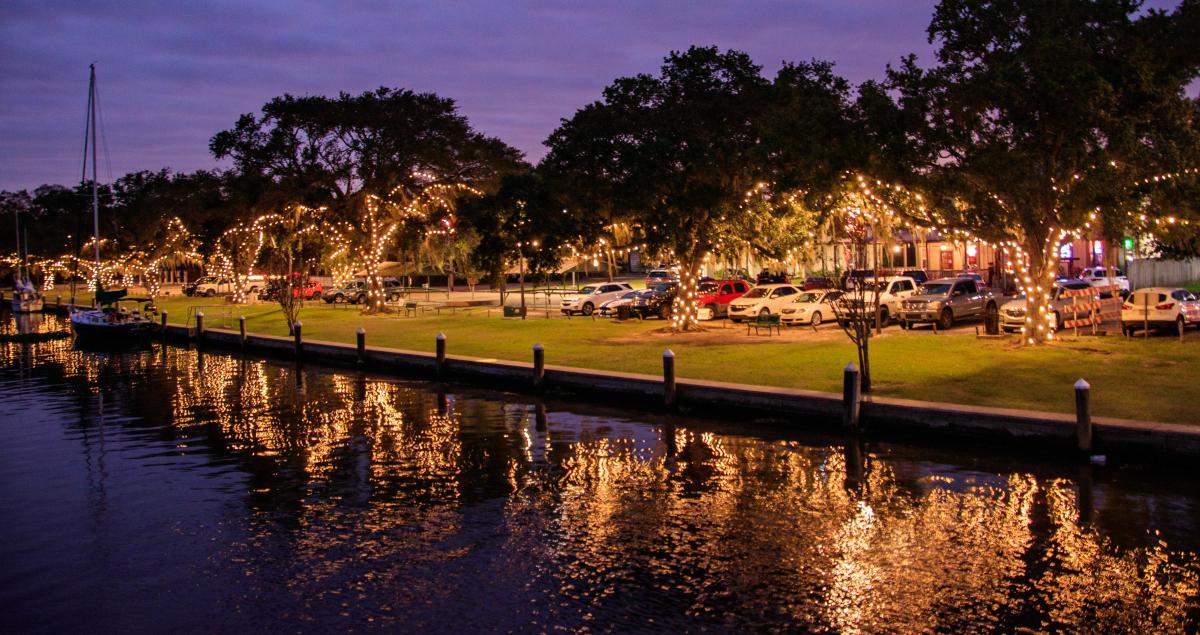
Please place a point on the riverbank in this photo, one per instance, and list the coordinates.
(1147, 379)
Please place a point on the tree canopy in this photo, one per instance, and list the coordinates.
(1039, 118)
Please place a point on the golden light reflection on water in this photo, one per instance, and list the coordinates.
(362, 490)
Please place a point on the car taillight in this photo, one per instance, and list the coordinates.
(1127, 306)
(1165, 306)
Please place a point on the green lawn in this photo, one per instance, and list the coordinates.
(1141, 379)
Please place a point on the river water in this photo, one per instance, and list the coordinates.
(170, 490)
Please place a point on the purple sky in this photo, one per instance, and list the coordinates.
(171, 74)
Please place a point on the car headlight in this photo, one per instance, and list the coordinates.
(935, 304)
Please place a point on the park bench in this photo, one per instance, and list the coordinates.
(410, 308)
(768, 321)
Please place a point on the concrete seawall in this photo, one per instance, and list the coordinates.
(1041, 432)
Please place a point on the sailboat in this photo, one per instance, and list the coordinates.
(26, 298)
(109, 321)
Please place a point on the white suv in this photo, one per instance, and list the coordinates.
(1098, 277)
(589, 298)
(763, 299)
(1159, 306)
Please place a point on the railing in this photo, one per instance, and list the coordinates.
(222, 311)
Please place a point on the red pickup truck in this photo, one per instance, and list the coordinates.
(715, 295)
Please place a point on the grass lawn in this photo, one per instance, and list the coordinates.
(1153, 379)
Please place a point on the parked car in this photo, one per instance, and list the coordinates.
(661, 275)
(772, 277)
(945, 301)
(1098, 277)
(609, 309)
(656, 300)
(354, 292)
(212, 286)
(270, 291)
(716, 295)
(1013, 312)
(918, 275)
(587, 299)
(892, 291)
(816, 282)
(254, 282)
(190, 289)
(764, 299)
(1157, 307)
(308, 290)
(971, 275)
(810, 307)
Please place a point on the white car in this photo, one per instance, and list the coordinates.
(1063, 302)
(810, 307)
(625, 299)
(893, 290)
(1158, 307)
(589, 298)
(1098, 277)
(764, 299)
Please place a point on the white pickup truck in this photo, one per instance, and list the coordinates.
(211, 286)
(892, 292)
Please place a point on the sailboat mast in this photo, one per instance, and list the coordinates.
(95, 191)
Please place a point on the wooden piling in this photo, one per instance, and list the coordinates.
(440, 348)
(669, 389)
(539, 367)
(297, 330)
(1083, 416)
(851, 397)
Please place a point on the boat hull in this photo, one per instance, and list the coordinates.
(100, 326)
(26, 303)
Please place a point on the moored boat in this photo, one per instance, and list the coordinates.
(110, 321)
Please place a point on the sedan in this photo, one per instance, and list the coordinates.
(764, 299)
(589, 298)
(810, 307)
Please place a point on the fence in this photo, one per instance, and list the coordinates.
(1163, 273)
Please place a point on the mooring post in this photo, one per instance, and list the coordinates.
(669, 378)
(296, 332)
(57, 301)
(242, 331)
(539, 367)
(1083, 415)
(851, 397)
(164, 319)
(362, 345)
(199, 325)
(441, 356)
(93, 302)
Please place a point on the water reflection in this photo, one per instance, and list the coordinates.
(361, 501)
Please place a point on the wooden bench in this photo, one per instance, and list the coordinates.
(410, 308)
(768, 321)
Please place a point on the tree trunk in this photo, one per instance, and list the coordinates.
(685, 310)
(1036, 269)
